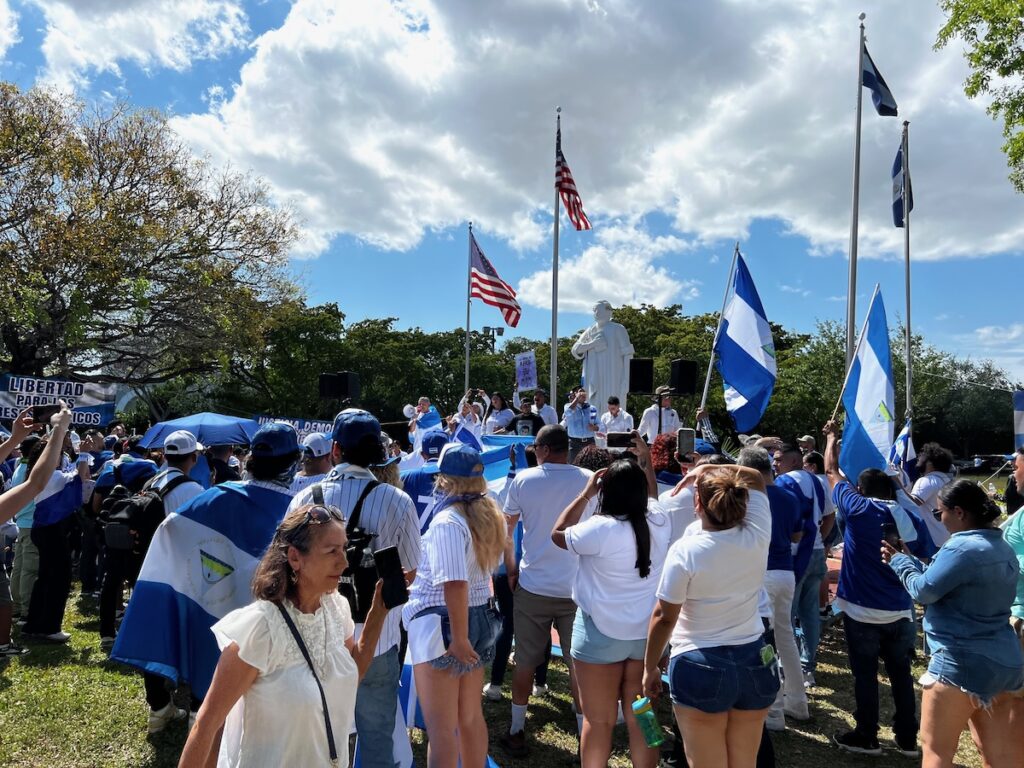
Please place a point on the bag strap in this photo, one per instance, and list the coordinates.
(118, 479)
(312, 671)
(318, 494)
(173, 483)
(353, 520)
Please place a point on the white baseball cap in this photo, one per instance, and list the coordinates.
(181, 443)
(316, 443)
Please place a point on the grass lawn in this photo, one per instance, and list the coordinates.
(64, 706)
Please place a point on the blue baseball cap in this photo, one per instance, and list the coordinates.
(460, 460)
(275, 439)
(352, 425)
(433, 442)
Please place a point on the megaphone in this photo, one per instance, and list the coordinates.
(409, 411)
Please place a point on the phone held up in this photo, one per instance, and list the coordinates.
(686, 441)
(389, 568)
(41, 414)
(891, 536)
(620, 439)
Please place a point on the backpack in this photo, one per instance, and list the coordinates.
(359, 580)
(131, 519)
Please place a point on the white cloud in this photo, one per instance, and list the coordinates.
(996, 335)
(794, 289)
(8, 27)
(85, 37)
(619, 267)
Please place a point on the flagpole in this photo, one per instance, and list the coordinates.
(849, 368)
(906, 260)
(553, 395)
(469, 291)
(851, 289)
(718, 329)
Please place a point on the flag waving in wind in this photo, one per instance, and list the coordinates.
(484, 283)
(868, 397)
(903, 457)
(900, 187)
(745, 353)
(870, 78)
(567, 187)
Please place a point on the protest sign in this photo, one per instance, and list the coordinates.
(526, 371)
(302, 426)
(92, 404)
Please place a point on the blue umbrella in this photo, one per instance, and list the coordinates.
(209, 429)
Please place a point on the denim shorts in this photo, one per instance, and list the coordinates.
(592, 646)
(724, 677)
(978, 676)
(484, 626)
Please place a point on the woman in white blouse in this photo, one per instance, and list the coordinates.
(263, 692)
(498, 414)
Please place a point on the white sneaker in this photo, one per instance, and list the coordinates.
(809, 680)
(797, 709)
(57, 637)
(776, 721)
(492, 692)
(540, 690)
(159, 719)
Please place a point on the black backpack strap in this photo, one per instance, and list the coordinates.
(173, 483)
(118, 478)
(318, 494)
(353, 520)
(323, 698)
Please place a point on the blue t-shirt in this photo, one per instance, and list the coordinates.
(786, 520)
(419, 485)
(133, 475)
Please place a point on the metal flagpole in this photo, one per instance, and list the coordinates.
(906, 261)
(553, 395)
(469, 290)
(725, 300)
(851, 290)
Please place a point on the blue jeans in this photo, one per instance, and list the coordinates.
(724, 677)
(376, 705)
(893, 643)
(974, 674)
(806, 608)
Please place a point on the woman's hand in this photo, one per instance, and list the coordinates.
(889, 551)
(593, 484)
(23, 425)
(640, 448)
(652, 683)
(461, 650)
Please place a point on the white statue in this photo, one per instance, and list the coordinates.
(605, 351)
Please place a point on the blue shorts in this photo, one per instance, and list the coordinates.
(591, 646)
(484, 626)
(974, 674)
(723, 677)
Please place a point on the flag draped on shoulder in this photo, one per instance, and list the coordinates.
(872, 79)
(902, 456)
(868, 397)
(198, 569)
(566, 186)
(485, 284)
(900, 187)
(745, 353)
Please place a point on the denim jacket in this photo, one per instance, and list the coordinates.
(967, 591)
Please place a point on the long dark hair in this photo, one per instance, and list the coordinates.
(490, 404)
(624, 496)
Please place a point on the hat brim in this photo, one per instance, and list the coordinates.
(388, 462)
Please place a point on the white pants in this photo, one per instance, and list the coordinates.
(780, 586)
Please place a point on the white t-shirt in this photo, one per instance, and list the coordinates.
(608, 586)
(620, 422)
(927, 490)
(679, 509)
(279, 720)
(717, 577)
(181, 495)
(498, 420)
(538, 496)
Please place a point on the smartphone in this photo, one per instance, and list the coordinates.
(891, 535)
(686, 441)
(41, 414)
(620, 439)
(389, 568)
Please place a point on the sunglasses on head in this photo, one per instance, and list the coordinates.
(318, 515)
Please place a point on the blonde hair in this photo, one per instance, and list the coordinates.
(389, 475)
(723, 494)
(486, 521)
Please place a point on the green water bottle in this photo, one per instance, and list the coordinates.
(648, 721)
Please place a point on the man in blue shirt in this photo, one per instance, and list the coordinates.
(878, 612)
(580, 421)
(419, 483)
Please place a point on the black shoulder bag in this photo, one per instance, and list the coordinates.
(323, 697)
(359, 580)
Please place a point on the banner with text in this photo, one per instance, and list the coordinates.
(92, 404)
(526, 371)
(302, 426)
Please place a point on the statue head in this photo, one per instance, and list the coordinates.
(602, 312)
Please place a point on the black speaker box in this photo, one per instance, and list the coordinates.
(339, 386)
(641, 375)
(684, 377)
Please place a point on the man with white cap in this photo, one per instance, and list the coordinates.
(316, 461)
(181, 451)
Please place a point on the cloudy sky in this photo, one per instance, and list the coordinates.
(688, 126)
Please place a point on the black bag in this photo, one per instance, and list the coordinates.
(359, 580)
(130, 519)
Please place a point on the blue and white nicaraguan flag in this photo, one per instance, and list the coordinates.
(902, 456)
(868, 398)
(198, 569)
(900, 187)
(871, 79)
(745, 353)
(1018, 419)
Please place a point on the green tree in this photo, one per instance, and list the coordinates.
(123, 256)
(993, 33)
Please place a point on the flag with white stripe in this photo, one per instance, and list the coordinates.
(902, 456)
(881, 96)
(745, 353)
(485, 284)
(868, 398)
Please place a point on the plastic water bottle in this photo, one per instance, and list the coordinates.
(648, 721)
(992, 490)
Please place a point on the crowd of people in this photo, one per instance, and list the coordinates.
(704, 569)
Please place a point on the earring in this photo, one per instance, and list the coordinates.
(293, 576)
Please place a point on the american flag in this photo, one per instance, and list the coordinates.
(567, 187)
(484, 283)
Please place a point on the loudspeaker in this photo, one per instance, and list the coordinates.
(339, 386)
(641, 375)
(684, 377)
